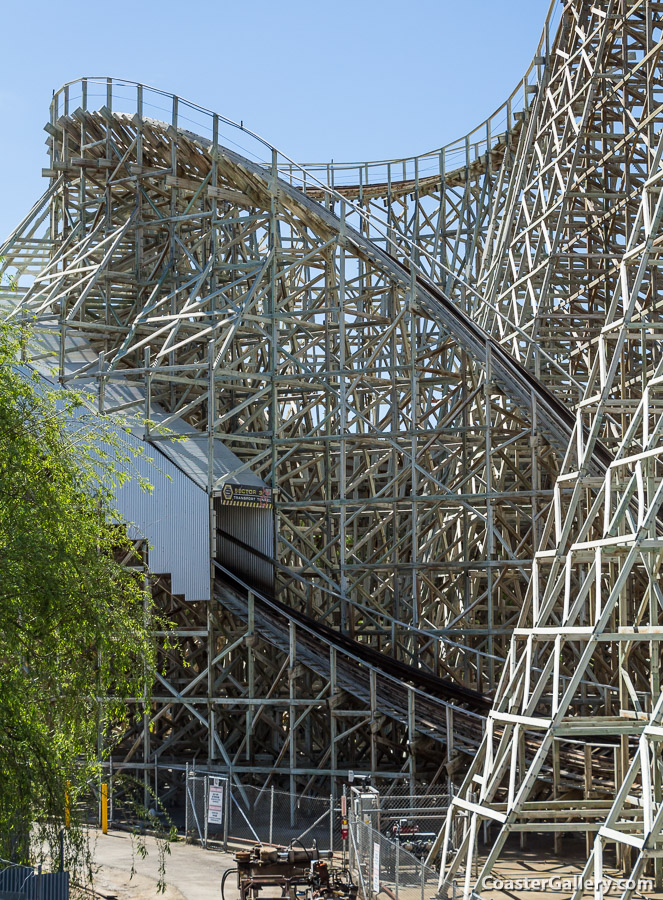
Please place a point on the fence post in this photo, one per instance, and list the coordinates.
(354, 854)
(271, 814)
(371, 867)
(331, 822)
(226, 813)
(423, 880)
(110, 788)
(397, 873)
(186, 803)
(206, 806)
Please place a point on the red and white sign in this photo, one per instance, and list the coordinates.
(215, 803)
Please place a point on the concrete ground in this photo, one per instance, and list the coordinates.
(195, 874)
(191, 872)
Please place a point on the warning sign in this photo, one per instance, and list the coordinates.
(215, 803)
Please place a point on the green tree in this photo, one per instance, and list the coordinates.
(74, 621)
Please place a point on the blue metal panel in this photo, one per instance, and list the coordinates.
(26, 883)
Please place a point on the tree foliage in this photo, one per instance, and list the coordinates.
(74, 620)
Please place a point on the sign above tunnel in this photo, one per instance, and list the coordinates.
(257, 496)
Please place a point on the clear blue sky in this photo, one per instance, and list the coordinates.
(349, 80)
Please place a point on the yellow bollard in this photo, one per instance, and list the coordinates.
(67, 807)
(104, 808)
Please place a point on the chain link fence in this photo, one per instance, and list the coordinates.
(413, 814)
(138, 798)
(252, 814)
(207, 808)
(382, 866)
(410, 814)
(278, 817)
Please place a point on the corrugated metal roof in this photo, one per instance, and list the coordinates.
(173, 517)
(188, 453)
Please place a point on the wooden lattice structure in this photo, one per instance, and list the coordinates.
(446, 370)
(397, 438)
